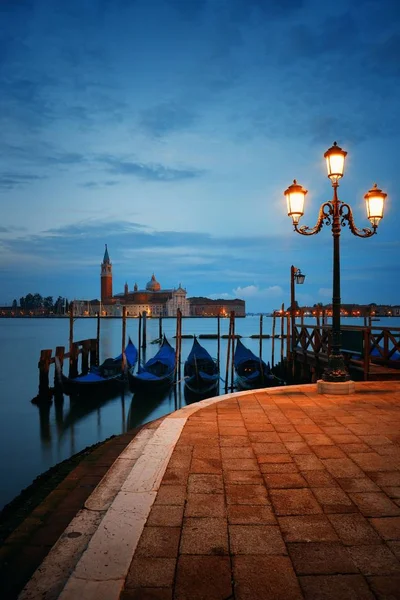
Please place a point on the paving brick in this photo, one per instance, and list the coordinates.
(201, 483)
(233, 440)
(308, 462)
(204, 505)
(375, 560)
(354, 448)
(307, 528)
(317, 439)
(345, 587)
(285, 480)
(375, 504)
(260, 448)
(395, 548)
(298, 448)
(238, 477)
(294, 502)
(354, 529)
(246, 494)
(166, 516)
(239, 464)
(259, 577)
(343, 467)
(146, 594)
(201, 577)
(361, 484)
(206, 465)
(171, 494)
(385, 587)
(320, 559)
(151, 572)
(372, 461)
(159, 542)
(256, 539)
(245, 514)
(237, 452)
(328, 452)
(206, 452)
(275, 458)
(391, 478)
(204, 536)
(319, 479)
(388, 529)
(278, 468)
(334, 500)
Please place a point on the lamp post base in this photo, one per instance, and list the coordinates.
(335, 387)
(335, 371)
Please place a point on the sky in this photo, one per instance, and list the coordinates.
(169, 130)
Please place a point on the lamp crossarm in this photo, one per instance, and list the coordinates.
(325, 215)
(346, 214)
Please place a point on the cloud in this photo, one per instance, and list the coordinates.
(325, 292)
(149, 172)
(253, 291)
(98, 184)
(166, 118)
(10, 181)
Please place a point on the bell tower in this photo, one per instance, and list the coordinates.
(106, 278)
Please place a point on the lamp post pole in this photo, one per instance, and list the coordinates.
(337, 214)
(295, 276)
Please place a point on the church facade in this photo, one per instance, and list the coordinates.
(153, 300)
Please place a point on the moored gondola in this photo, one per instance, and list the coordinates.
(103, 379)
(157, 373)
(201, 372)
(251, 371)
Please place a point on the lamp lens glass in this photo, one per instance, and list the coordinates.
(295, 204)
(335, 165)
(375, 205)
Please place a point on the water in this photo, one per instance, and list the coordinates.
(33, 439)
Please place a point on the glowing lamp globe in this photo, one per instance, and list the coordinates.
(335, 162)
(375, 204)
(295, 196)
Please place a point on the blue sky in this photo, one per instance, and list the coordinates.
(169, 130)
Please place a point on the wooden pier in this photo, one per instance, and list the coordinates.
(371, 353)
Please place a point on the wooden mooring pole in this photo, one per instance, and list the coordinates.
(139, 339)
(144, 335)
(218, 340)
(44, 368)
(160, 328)
(123, 338)
(233, 347)
(261, 337)
(98, 340)
(273, 339)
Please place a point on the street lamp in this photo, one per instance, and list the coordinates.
(296, 276)
(337, 214)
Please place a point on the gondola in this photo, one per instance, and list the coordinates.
(251, 371)
(201, 373)
(103, 379)
(157, 373)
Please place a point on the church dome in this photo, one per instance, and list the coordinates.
(153, 285)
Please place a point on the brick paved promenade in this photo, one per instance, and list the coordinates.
(274, 494)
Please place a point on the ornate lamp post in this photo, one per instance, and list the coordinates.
(337, 214)
(295, 276)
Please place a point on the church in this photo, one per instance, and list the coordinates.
(153, 300)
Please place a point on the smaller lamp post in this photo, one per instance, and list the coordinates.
(296, 276)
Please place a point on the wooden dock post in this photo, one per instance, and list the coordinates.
(178, 340)
(144, 333)
(218, 340)
(71, 326)
(139, 340)
(228, 355)
(233, 346)
(160, 328)
(85, 357)
(282, 334)
(44, 368)
(96, 363)
(273, 339)
(94, 352)
(123, 338)
(58, 367)
(73, 361)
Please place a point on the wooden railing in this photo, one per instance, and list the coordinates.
(361, 346)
